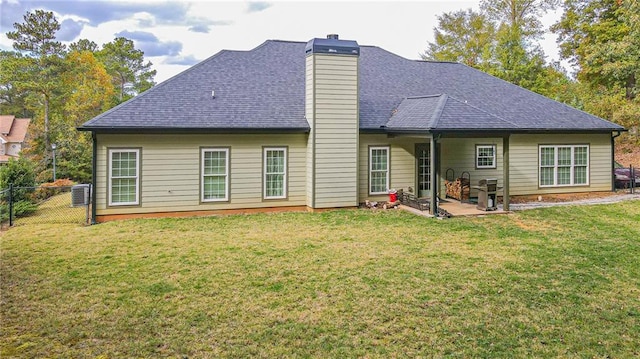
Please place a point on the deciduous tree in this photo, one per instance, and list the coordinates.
(602, 40)
(462, 36)
(523, 15)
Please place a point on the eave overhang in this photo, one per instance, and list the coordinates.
(470, 132)
(182, 130)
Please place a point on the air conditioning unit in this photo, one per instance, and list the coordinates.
(80, 195)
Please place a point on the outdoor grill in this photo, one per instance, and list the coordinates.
(487, 194)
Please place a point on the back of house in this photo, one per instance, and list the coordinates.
(329, 124)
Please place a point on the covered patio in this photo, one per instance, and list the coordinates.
(459, 139)
(448, 208)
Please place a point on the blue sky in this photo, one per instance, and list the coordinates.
(178, 34)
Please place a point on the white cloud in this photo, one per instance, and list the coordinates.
(187, 31)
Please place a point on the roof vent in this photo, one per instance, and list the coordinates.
(332, 36)
(213, 94)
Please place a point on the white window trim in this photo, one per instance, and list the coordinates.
(226, 174)
(137, 177)
(555, 165)
(494, 159)
(264, 172)
(371, 149)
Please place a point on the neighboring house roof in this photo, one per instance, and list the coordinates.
(5, 123)
(264, 89)
(13, 129)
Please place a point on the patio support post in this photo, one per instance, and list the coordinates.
(433, 202)
(505, 172)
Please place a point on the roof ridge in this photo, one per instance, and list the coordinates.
(435, 118)
(422, 96)
(438, 62)
(287, 41)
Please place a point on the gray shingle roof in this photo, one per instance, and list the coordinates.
(444, 113)
(263, 89)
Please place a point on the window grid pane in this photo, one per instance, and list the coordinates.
(123, 190)
(547, 156)
(580, 156)
(378, 182)
(275, 173)
(564, 156)
(275, 185)
(564, 175)
(215, 187)
(379, 170)
(424, 170)
(564, 165)
(215, 163)
(546, 176)
(214, 175)
(485, 157)
(580, 175)
(124, 174)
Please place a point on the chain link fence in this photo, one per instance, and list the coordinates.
(44, 205)
(626, 178)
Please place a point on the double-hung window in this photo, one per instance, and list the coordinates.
(564, 165)
(124, 177)
(215, 174)
(275, 172)
(378, 169)
(485, 156)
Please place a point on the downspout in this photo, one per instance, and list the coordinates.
(506, 199)
(613, 160)
(433, 201)
(94, 180)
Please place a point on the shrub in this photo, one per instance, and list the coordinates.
(20, 173)
(24, 208)
(4, 213)
(20, 209)
(47, 190)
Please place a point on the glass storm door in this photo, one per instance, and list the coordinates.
(423, 158)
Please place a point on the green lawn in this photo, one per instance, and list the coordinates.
(557, 282)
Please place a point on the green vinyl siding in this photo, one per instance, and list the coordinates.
(461, 155)
(402, 164)
(532, 168)
(332, 112)
(171, 171)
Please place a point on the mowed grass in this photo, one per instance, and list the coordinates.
(557, 282)
(55, 210)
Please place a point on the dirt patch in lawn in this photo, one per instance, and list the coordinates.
(563, 197)
(628, 153)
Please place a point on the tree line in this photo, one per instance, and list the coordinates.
(600, 39)
(60, 87)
